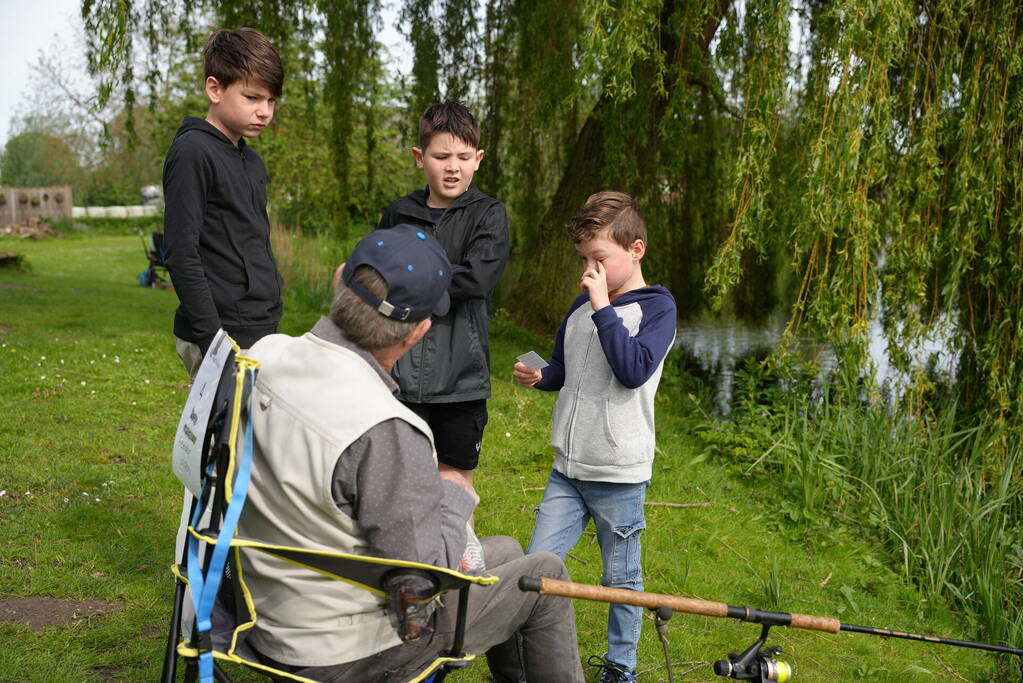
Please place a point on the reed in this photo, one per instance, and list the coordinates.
(924, 484)
(307, 260)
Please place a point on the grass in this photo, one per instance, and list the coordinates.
(944, 498)
(90, 389)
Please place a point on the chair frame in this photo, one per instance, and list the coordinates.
(159, 275)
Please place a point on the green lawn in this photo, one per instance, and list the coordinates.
(90, 389)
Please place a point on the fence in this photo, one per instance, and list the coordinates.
(20, 204)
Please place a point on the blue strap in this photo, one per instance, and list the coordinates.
(204, 589)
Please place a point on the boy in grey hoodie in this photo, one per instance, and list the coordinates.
(606, 364)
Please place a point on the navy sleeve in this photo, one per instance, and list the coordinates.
(484, 258)
(554, 374)
(186, 177)
(633, 359)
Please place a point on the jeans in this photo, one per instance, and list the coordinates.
(617, 512)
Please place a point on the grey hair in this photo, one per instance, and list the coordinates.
(361, 322)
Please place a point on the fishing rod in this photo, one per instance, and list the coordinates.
(755, 663)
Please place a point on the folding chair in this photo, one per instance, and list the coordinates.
(211, 568)
(156, 275)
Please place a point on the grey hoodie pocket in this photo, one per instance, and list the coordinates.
(582, 424)
(560, 421)
(594, 418)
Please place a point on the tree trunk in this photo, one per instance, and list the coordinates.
(544, 273)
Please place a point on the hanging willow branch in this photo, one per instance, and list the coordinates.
(875, 174)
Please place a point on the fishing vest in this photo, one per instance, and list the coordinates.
(312, 400)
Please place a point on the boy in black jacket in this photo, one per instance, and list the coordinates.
(445, 378)
(217, 233)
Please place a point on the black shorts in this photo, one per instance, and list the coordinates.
(457, 430)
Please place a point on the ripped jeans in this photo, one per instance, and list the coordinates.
(617, 512)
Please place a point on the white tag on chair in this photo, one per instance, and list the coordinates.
(186, 458)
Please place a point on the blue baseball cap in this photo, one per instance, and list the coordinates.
(414, 266)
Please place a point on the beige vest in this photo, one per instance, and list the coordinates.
(312, 400)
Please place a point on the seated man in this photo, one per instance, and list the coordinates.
(340, 464)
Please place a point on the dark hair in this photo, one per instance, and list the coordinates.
(614, 210)
(231, 55)
(449, 117)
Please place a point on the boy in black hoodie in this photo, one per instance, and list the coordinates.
(445, 378)
(217, 233)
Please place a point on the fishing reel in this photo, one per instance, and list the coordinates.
(755, 664)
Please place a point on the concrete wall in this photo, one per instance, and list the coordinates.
(18, 204)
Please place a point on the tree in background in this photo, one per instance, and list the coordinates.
(850, 162)
(781, 150)
(35, 159)
(333, 155)
(117, 150)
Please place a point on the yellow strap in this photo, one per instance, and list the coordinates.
(389, 562)
(190, 652)
(249, 604)
(176, 571)
(244, 366)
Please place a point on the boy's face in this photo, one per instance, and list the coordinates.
(242, 109)
(621, 266)
(449, 164)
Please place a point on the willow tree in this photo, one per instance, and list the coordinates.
(903, 160)
(616, 96)
(852, 161)
(424, 85)
(333, 90)
(867, 158)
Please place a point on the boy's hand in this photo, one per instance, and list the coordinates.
(525, 375)
(595, 283)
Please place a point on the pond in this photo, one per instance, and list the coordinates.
(718, 346)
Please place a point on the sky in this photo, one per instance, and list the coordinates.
(28, 26)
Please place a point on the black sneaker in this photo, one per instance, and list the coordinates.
(610, 672)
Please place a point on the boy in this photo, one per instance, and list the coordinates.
(607, 362)
(445, 379)
(217, 233)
